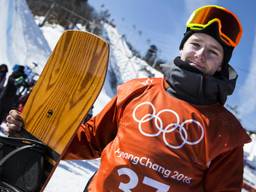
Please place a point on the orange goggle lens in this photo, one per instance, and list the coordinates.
(230, 29)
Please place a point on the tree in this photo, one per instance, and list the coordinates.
(64, 12)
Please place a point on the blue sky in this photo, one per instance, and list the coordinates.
(162, 23)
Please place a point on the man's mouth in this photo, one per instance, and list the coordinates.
(197, 66)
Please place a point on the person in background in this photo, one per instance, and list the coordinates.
(9, 98)
(172, 133)
(3, 73)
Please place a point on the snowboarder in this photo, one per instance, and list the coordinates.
(173, 133)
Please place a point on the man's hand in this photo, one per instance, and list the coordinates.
(14, 122)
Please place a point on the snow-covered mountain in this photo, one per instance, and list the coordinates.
(21, 41)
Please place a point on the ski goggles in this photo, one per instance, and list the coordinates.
(230, 29)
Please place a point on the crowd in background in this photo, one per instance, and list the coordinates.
(15, 88)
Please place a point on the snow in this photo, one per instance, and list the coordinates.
(23, 42)
(72, 175)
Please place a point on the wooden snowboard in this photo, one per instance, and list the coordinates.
(66, 90)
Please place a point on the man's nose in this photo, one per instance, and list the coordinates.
(200, 54)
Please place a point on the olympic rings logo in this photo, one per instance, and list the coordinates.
(155, 119)
(147, 82)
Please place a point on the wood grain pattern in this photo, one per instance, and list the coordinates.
(66, 89)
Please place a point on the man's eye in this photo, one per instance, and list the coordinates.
(195, 44)
(213, 52)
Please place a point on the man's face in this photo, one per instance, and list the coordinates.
(203, 52)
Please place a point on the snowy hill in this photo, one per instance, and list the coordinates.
(22, 42)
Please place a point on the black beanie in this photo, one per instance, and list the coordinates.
(212, 30)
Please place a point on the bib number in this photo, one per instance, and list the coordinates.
(134, 181)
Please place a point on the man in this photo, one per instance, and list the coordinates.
(171, 134)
